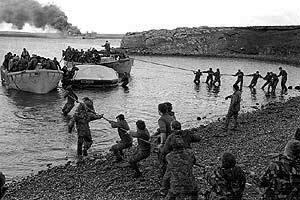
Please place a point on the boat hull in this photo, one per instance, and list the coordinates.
(40, 81)
(89, 76)
(120, 66)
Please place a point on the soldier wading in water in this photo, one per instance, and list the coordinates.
(71, 98)
(83, 115)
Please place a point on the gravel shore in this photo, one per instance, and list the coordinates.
(261, 134)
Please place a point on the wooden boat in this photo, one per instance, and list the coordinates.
(119, 65)
(90, 76)
(40, 81)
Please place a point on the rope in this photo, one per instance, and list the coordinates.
(169, 66)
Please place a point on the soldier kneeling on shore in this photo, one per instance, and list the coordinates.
(126, 139)
(143, 148)
(227, 181)
(282, 178)
(179, 180)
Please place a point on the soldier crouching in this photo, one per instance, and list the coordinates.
(179, 178)
(143, 148)
(227, 181)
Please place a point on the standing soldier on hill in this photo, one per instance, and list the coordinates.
(234, 107)
(126, 139)
(209, 78)
(255, 76)
(217, 76)
(283, 80)
(227, 181)
(71, 98)
(240, 78)
(81, 118)
(198, 74)
(281, 180)
(143, 148)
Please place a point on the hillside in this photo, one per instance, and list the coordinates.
(277, 43)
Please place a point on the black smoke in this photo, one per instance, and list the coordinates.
(19, 12)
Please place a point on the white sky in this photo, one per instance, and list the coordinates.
(121, 16)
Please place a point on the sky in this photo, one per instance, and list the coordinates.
(121, 16)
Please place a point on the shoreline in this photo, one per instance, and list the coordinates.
(262, 132)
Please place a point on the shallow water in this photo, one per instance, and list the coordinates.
(33, 133)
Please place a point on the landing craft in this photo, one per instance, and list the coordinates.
(40, 81)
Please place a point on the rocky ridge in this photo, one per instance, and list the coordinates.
(272, 43)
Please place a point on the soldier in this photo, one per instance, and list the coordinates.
(227, 181)
(3, 188)
(125, 79)
(170, 109)
(234, 107)
(186, 136)
(107, 47)
(209, 78)
(268, 79)
(164, 124)
(179, 180)
(255, 76)
(282, 177)
(143, 148)
(57, 65)
(25, 54)
(71, 98)
(283, 80)
(126, 139)
(217, 76)
(274, 82)
(240, 78)
(198, 74)
(81, 118)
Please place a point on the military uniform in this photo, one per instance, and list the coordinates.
(187, 138)
(179, 178)
(126, 139)
(198, 74)
(164, 124)
(281, 180)
(82, 118)
(234, 108)
(71, 97)
(240, 79)
(143, 149)
(283, 80)
(226, 184)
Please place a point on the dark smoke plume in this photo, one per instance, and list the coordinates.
(19, 12)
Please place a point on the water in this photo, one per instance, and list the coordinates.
(33, 133)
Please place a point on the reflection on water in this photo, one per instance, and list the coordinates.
(34, 133)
